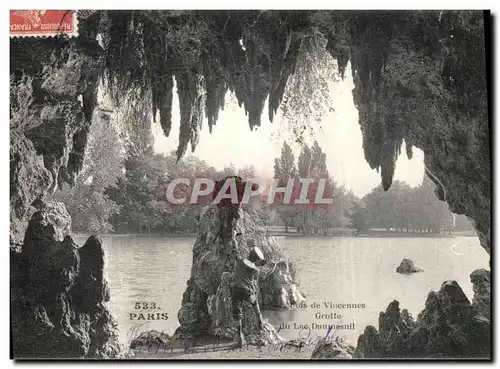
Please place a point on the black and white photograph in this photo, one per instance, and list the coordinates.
(250, 184)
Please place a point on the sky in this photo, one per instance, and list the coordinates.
(339, 135)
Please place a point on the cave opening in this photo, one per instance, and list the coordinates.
(412, 78)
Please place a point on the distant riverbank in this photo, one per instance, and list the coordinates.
(403, 234)
(374, 234)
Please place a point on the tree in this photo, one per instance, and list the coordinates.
(135, 194)
(304, 162)
(318, 166)
(284, 166)
(135, 191)
(247, 172)
(359, 218)
(284, 169)
(404, 208)
(312, 164)
(228, 171)
(90, 208)
(307, 99)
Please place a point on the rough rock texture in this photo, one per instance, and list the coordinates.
(448, 327)
(53, 95)
(24, 163)
(206, 303)
(57, 289)
(151, 341)
(332, 350)
(223, 325)
(407, 266)
(58, 293)
(481, 286)
(420, 76)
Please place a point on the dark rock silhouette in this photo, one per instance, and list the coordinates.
(407, 266)
(58, 293)
(332, 350)
(206, 303)
(481, 286)
(448, 327)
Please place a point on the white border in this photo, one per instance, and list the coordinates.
(188, 4)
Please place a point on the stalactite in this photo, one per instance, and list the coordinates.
(409, 149)
(287, 69)
(159, 73)
(339, 52)
(255, 84)
(197, 111)
(162, 95)
(233, 62)
(262, 66)
(185, 113)
(216, 88)
(388, 163)
(89, 100)
(190, 88)
(215, 102)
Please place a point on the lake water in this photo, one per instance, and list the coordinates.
(338, 270)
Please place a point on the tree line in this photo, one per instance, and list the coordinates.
(117, 191)
(406, 209)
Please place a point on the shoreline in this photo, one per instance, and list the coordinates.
(222, 350)
(291, 235)
(225, 354)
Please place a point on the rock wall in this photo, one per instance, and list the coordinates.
(450, 326)
(421, 77)
(53, 95)
(329, 350)
(206, 303)
(58, 293)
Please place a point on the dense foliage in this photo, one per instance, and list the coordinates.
(404, 209)
(86, 201)
(120, 187)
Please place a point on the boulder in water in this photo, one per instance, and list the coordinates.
(58, 293)
(407, 266)
(206, 303)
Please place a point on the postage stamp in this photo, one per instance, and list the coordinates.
(33, 23)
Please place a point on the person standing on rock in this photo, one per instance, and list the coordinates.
(245, 286)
